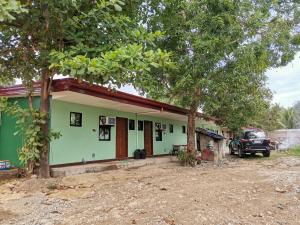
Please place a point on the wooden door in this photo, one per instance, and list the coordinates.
(122, 138)
(148, 137)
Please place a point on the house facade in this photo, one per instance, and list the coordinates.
(97, 124)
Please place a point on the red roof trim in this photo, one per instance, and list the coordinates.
(19, 90)
(70, 84)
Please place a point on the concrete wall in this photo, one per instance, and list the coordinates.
(225, 143)
(82, 143)
(10, 143)
(286, 138)
(79, 143)
(205, 140)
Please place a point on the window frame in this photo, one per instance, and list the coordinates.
(75, 125)
(106, 127)
(158, 131)
(171, 128)
(131, 123)
(158, 135)
(157, 126)
(140, 125)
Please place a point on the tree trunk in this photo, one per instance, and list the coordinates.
(191, 142)
(43, 169)
(191, 130)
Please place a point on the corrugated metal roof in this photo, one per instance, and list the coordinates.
(210, 133)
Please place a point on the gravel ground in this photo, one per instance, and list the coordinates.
(248, 191)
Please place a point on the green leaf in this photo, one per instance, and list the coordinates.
(118, 8)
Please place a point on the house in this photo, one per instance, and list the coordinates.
(97, 124)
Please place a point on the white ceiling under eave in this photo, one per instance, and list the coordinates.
(83, 99)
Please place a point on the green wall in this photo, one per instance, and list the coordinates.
(10, 143)
(82, 143)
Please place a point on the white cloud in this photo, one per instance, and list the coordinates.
(285, 82)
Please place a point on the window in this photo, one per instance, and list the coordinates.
(254, 134)
(104, 132)
(183, 129)
(131, 125)
(140, 125)
(158, 135)
(171, 128)
(75, 119)
(104, 129)
(157, 126)
(158, 132)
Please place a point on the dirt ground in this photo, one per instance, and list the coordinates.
(242, 191)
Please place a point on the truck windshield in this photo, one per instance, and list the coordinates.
(255, 134)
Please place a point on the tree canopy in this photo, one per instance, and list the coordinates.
(222, 49)
(277, 117)
(95, 41)
(297, 114)
(8, 8)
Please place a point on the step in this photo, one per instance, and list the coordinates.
(113, 165)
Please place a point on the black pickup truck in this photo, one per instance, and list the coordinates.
(250, 141)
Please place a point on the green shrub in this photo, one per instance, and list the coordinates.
(186, 158)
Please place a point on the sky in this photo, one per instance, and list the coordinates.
(285, 83)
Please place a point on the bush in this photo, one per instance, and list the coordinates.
(186, 158)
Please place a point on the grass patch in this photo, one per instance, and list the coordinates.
(52, 186)
(294, 151)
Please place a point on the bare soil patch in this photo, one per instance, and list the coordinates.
(242, 191)
(5, 215)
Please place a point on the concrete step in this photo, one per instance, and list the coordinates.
(114, 165)
(7, 174)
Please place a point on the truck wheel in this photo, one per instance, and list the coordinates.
(253, 154)
(266, 154)
(241, 153)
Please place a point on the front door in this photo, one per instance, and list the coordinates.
(122, 138)
(148, 137)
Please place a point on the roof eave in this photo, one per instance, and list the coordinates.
(73, 85)
(19, 90)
